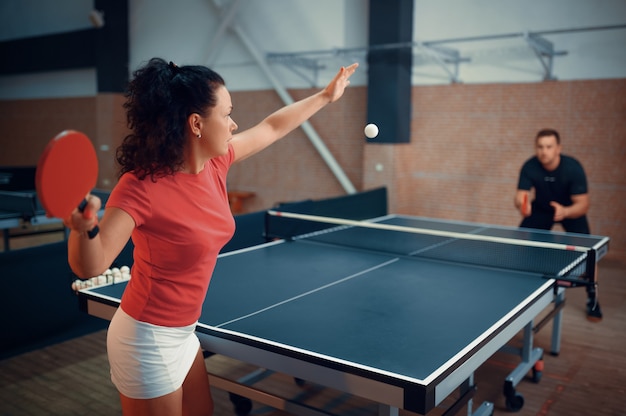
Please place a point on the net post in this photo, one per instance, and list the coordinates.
(266, 226)
(590, 266)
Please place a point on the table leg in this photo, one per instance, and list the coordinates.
(557, 322)
(531, 360)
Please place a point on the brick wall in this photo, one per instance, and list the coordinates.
(468, 143)
(26, 126)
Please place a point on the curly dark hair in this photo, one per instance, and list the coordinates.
(159, 99)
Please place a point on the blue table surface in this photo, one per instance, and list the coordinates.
(406, 316)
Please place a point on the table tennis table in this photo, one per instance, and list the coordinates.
(19, 207)
(399, 318)
(22, 209)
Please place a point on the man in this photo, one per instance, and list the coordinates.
(560, 195)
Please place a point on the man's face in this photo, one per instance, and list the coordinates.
(548, 152)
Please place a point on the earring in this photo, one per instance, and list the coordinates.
(198, 135)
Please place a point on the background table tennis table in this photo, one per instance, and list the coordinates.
(22, 210)
(384, 321)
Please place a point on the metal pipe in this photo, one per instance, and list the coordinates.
(306, 126)
(225, 19)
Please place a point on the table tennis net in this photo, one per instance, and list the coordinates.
(549, 262)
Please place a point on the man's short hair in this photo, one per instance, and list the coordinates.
(548, 132)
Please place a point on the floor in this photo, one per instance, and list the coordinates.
(588, 377)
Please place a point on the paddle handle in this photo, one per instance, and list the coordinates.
(94, 231)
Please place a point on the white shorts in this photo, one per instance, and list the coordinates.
(146, 360)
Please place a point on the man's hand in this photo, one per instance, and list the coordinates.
(579, 207)
(522, 202)
(560, 212)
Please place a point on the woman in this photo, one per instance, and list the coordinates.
(171, 199)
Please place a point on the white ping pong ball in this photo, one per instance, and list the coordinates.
(371, 131)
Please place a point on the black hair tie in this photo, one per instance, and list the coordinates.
(175, 68)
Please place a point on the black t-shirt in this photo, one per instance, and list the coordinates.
(558, 185)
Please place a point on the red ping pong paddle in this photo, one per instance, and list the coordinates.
(525, 204)
(67, 171)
